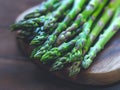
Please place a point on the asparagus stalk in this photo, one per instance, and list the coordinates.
(47, 21)
(29, 24)
(28, 33)
(80, 20)
(59, 51)
(78, 4)
(103, 40)
(108, 13)
(50, 23)
(57, 14)
(37, 34)
(44, 8)
(68, 58)
(25, 34)
(75, 54)
(40, 38)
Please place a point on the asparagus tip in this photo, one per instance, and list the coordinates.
(32, 54)
(74, 69)
(50, 55)
(38, 54)
(45, 57)
(33, 42)
(50, 22)
(87, 62)
(56, 66)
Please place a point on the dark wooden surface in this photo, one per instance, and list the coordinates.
(17, 72)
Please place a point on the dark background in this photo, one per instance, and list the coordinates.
(17, 72)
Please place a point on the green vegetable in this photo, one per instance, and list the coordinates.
(67, 33)
(59, 51)
(47, 23)
(44, 8)
(77, 50)
(80, 20)
(103, 40)
(40, 38)
(62, 26)
(108, 13)
(52, 19)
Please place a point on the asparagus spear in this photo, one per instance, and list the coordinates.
(78, 4)
(56, 52)
(44, 8)
(57, 14)
(47, 5)
(29, 24)
(80, 20)
(40, 38)
(103, 40)
(38, 34)
(68, 58)
(108, 13)
(75, 54)
(47, 21)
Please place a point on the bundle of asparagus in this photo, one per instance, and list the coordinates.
(63, 31)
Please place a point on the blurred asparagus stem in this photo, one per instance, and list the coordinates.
(44, 8)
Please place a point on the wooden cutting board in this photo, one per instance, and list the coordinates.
(105, 69)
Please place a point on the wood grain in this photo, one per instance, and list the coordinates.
(106, 65)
